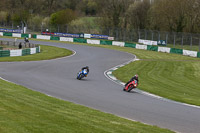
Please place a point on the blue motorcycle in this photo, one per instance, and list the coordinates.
(81, 74)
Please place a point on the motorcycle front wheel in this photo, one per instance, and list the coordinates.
(130, 88)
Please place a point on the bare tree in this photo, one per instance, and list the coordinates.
(114, 12)
(176, 15)
(137, 14)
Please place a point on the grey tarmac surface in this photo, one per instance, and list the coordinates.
(57, 78)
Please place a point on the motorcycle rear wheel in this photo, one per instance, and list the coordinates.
(79, 77)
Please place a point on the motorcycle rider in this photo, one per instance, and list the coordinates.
(26, 39)
(85, 68)
(135, 77)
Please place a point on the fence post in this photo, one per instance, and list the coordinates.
(132, 34)
(191, 43)
(139, 34)
(124, 36)
(166, 38)
(174, 39)
(66, 28)
(41, 28)
(199, 44)
(108, 31)
(158, 35)
(116, 32)
(152, 35)
(145, 34)
(58, 29)
(182, 42)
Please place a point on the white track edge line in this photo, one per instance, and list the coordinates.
(114, 79)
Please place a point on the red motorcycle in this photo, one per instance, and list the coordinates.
(133, 84)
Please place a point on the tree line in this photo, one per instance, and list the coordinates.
(161, 15)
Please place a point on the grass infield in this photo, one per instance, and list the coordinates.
(171, 76)
(47, 53)
(23, 110)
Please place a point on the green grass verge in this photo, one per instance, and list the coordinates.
(47, 53)
(171, 76)
(23, 110)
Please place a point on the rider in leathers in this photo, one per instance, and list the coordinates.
(135, 77)
(87, 68)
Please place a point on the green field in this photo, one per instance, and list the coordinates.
(47, 53)
(168, 75)
(23, 110)
(26, 111)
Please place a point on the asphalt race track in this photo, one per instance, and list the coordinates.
(58, 78)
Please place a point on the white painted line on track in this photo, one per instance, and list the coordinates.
(74, 53)
(108, 74)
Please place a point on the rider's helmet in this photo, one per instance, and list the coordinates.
(87, 67)
(136, 76)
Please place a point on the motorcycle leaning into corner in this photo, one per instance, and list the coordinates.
(81, 74)
(132, 85)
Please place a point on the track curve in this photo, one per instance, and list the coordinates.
(58, 78)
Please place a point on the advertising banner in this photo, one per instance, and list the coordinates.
(10, 30)
(47, 33)
(162, 42)
(99, 36)
(87, 35)
(67, 35)
(82, 35)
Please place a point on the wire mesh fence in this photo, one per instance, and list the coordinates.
(173, 39)
(16, 44)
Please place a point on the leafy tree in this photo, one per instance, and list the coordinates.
(113, 13)
(16, 19)
(174, 15)
(62, 17)
(49, 4)
(72, 4)
(3, 17)
(46, 21)
(91, 7)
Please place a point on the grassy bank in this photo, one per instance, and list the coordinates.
(23, 110)
(168, 75)
(47, 53)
